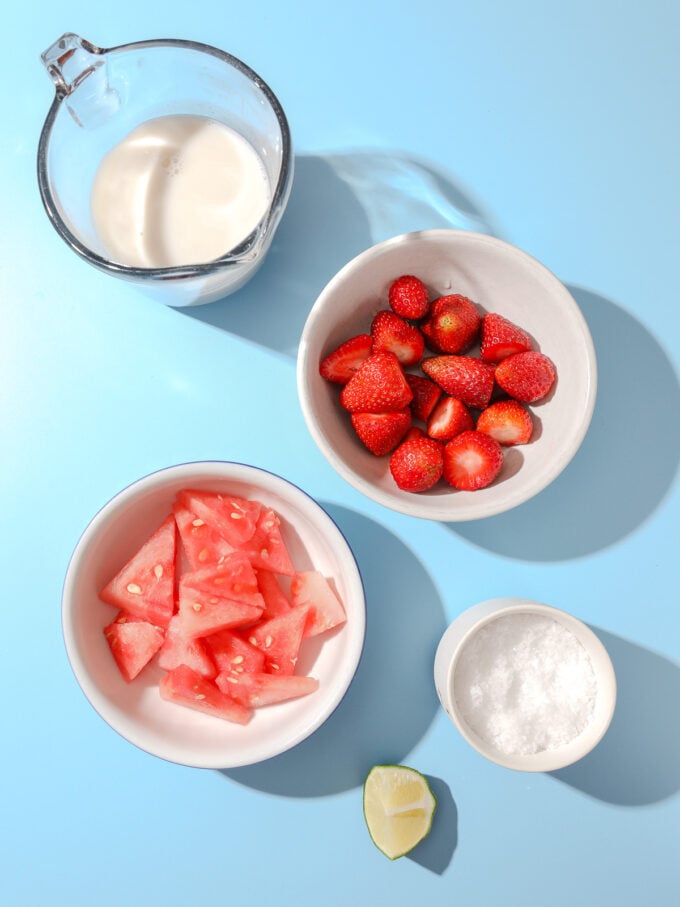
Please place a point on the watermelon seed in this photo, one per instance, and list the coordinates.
(273, 666)
(253, 641)
(200, 696)
(158, 571)
(232, 679)
(134, 589)
(264, 553)
(267, 642)
(197, 522)
(237, 660)
(236, 516)
(203, 554)
(196, 606)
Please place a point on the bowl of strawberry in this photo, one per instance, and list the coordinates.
(447, 375)
(213, 614)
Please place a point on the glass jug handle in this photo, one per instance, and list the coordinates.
(69, 61)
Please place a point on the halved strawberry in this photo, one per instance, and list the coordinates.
(343, 362)
(501, 338)
(472, 460)
(392, 334)
(449, 418)
(381, 432)
(425, 396)
(414, 432)
(379, 386)
(465, 377)
(409, 297)
(417, 465)
(527, 377)
(508, 422)
(453, 323)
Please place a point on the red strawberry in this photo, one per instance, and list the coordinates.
(464, 377)
(381, 432)
(502, 338)
(391, 333)
(453, 323)
(508, 422)
(425, 396)
(449, 418)
(526, 376)
(414, 432)
(343, 362)
(472, 460)
(379, 386)
(417, 465)
(408, 296)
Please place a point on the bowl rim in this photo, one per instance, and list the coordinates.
(437, 507)
(470, 622)
(101, 702)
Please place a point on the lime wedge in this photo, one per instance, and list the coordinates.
(398, 808)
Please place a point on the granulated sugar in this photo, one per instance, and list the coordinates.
(525, 684)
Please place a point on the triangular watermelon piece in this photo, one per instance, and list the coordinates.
(180, 648)
(279, 639)
(145, 586)
(203, 613)
(186, 687)
(233, 578)
(232, 654)
(266, 548)
(202, 545)
(133, 643)
(311, 589)
(275, 600)
(232, 517)
(255, 690)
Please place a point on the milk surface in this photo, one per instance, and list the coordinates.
(178, 190)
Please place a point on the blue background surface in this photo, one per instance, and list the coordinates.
(552, 126)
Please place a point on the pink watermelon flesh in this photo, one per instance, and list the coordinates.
(275, 600)
(180, 648)
(279, 639)
(266, 548)
(233, 518)
(133, 643)
(310, 588)
(186, 687)
(145, 586)
(255, 690)
(232, 654)
(233, 578)
(203, 613)
(201, 544)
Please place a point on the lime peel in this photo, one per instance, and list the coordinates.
(398, 808)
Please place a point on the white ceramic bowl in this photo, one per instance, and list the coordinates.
(470, 622)
(499, 278)
(136, 710)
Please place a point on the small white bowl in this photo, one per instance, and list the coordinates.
(499, 278)
(470, 622)
(136, 710)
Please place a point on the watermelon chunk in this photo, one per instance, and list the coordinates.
(232, 654)
(145, 586)
(202, 545)
(179, 648)
(186, 687)
(266, 548)
(133, 643)
(255, 690)
(279, 639)
(203, 613)
(233, 578)
(233, 518)
(275, 600)
(311, 589)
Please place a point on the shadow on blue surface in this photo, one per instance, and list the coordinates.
(638, 760)
(436, 851)
(626, 464)
(340, 205)
(392, 700)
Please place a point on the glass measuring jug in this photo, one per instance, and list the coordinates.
(101, 95)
